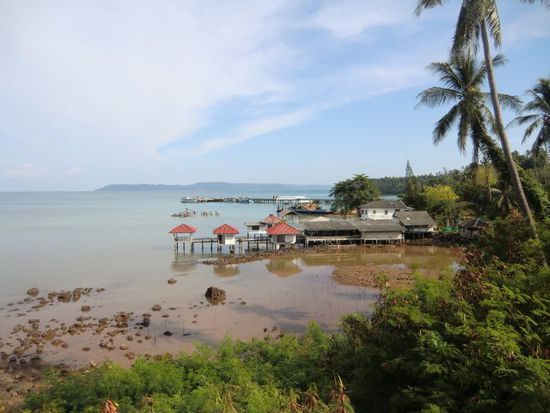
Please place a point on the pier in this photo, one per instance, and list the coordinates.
(277, 200)
(213, 244)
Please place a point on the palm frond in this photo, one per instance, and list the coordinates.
(463, 128)
(447, 74)
(444, 124)
(426, 4)
(543, 138)
(531, 128)
(492, 20)
(465, 39)
(521, 120)
(436, 96)
(510, 102)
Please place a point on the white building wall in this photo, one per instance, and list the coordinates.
(377, 213)
(228, 239)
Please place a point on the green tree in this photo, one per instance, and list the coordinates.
(441, 200)
(477, 20)
(412, 196)
(540, 118)
(353, 192)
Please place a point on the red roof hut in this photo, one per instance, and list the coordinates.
(226, 234)
(282, 235)
(183, 232)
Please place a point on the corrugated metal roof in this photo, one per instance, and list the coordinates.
(183, 229)
(385, 203)
(333, 225)
(474, 223)
(226, 229)
(415, 218)
(249, 224)
(282, 229)
(378, 225)
(369, 225)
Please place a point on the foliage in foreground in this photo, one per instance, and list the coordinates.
(475, 342)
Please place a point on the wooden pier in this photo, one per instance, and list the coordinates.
(212, 244)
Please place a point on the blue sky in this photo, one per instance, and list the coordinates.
(284, 91)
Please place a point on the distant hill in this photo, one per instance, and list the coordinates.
(218, 186)
(388, 185)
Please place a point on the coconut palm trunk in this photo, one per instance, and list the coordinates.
(514, 176)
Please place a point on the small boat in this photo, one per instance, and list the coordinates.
(189, 200)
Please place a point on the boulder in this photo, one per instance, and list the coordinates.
(33, 292)
(215, 295)
(64, 296)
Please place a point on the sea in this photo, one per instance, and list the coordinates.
(118, 244)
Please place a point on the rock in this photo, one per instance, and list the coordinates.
(156, 307)
(123, 346)
(77, 293)
(146, 320)
(215, 295)
(130, 355)
(243, 302)
(172, 281)
(167, 333)
(64, 296)
(34, 321)
(85, 308)
(33, 292)
(85, 348)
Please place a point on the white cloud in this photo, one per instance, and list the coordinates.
(532, 25)
(26, 170)
(350, 18)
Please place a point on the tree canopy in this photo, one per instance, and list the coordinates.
(351, 193)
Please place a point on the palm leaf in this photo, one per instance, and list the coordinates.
(436, 96)
(444, 124)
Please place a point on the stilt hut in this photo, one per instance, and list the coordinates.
(282, 235)
(182, 233)
(226, 234)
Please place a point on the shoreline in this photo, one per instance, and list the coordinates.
(255, 256)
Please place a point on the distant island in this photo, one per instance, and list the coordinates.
(219, 186)
(388, 185)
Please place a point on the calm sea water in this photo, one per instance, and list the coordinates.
(54, 239)
(119, 241)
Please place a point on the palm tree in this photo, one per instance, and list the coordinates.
(540, 119)
(462, 80)
(476, 19)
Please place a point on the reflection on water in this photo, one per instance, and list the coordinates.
(283, 267)
(183, 264)
(226, 270)
(264, 296)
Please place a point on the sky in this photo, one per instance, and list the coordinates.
(96, 92)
